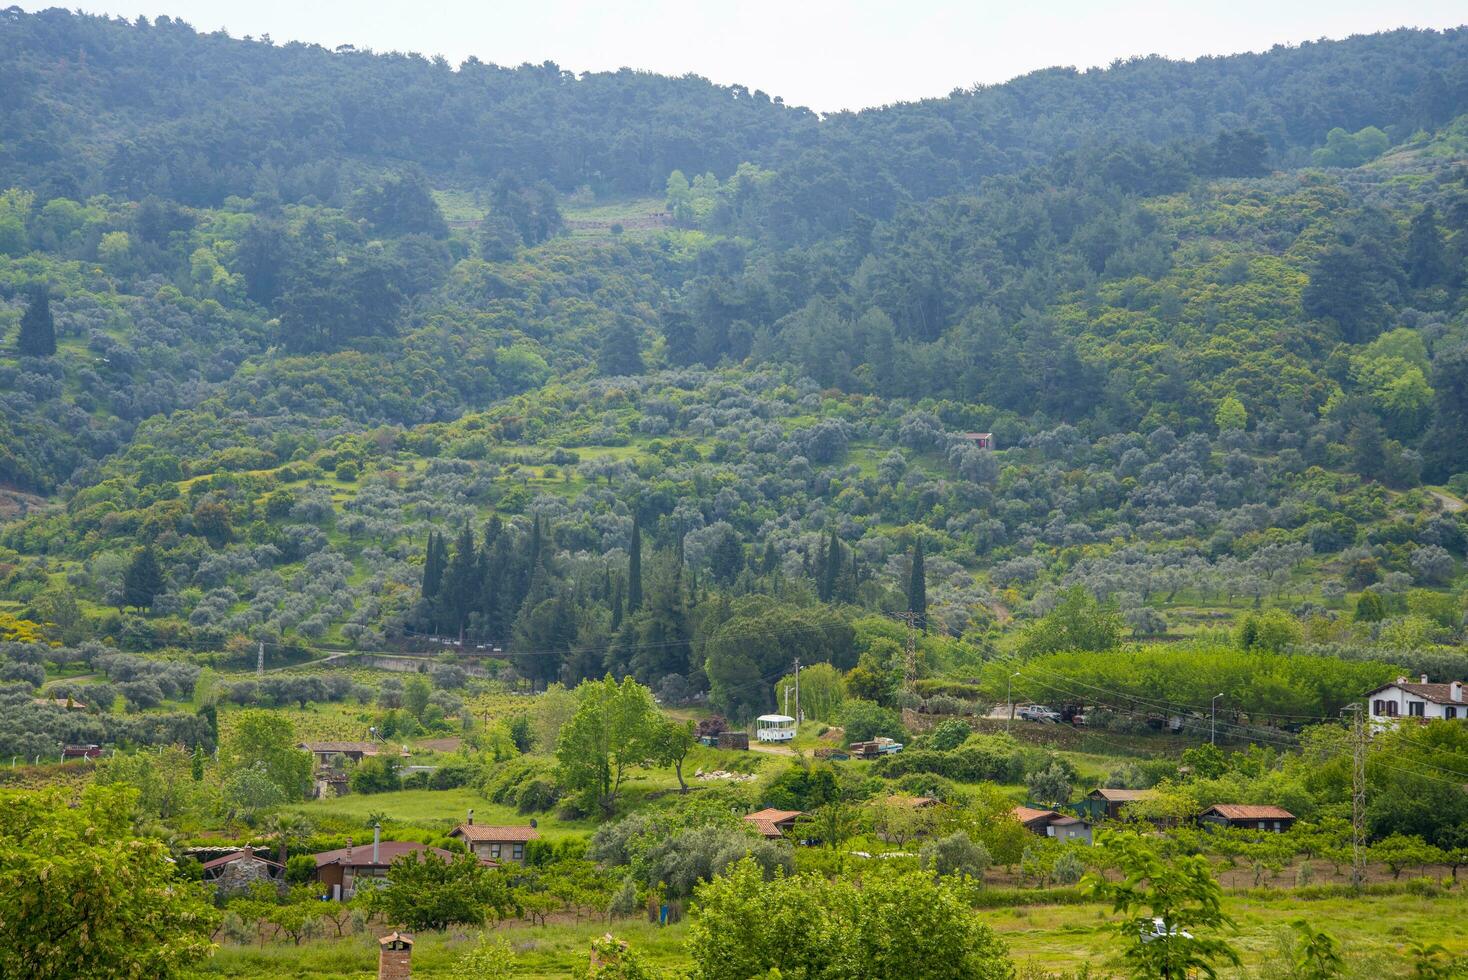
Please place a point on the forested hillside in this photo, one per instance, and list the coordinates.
(362, 348)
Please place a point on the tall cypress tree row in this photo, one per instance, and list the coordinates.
(461, 582)
(917, 588)
(634, 567)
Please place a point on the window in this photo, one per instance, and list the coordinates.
(494, 850)
(1378, 707)
(1416, 708)
(1450, 712)
(1263, 825)
(519, 852)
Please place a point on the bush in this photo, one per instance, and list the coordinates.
(992, 757)
(956, 854)
(865, 720)
(949, 735)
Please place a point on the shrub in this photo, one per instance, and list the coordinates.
(865, 720)
(956, 854)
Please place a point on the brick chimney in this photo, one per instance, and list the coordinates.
(471, 816)
(395, 957)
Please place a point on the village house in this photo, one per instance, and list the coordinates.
(1248, 817)
(495, 844)
(1052, 823)
(1108, 803)
(1420, 701)
(773, 824)
(981, 440)
(342, 871)
(236, 871)
(351, 751)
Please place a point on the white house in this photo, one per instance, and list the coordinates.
(1422, 700)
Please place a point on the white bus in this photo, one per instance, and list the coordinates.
(774, 728)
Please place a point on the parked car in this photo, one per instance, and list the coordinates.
(1159, 930)
(1039, 712)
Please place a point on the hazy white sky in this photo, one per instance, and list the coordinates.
(821, 53)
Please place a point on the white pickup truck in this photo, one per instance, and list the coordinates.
(1039, 712)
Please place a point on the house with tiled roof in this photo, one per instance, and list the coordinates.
(342, 871)
(773, 824)
(351, 751)
(1416, 700)
(1109, 802)
(1053, 823)
(495, 843)
(1248, 816)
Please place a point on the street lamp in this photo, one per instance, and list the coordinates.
(1009, 699)
(1213, 721)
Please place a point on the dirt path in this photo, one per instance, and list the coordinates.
(772, 749)
(1450, 503)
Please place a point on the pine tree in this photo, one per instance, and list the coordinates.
(634, 567)
(143, 579)
(37, 329)
(917, 588)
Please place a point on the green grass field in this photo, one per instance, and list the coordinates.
(1374, 931)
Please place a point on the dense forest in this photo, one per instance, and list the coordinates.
(365, 350)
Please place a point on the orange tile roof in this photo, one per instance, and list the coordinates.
(1247, 811)
(767, 821)
(483, 832)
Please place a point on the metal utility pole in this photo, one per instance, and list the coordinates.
(260, 661)
(797, 716)
(787, 699)
(1358, 796)
(1009, 700)
(1213, 720)
(910, 658)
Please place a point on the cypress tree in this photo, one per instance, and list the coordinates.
(822, 561)
(771, 560)
(461, 581)
(143, 579)
(1426, 258)
(634, 567)
(917, 588)
(833, 567)
(433, 566)
(37, 329)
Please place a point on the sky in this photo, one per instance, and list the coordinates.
(824, 54)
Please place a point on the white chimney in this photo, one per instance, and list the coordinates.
(376, 842)
(471, 816)
(1455, 691)
(1424, 678)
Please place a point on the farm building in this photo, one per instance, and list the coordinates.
(1052, 823)
(1248, 817)
(1108, 803)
